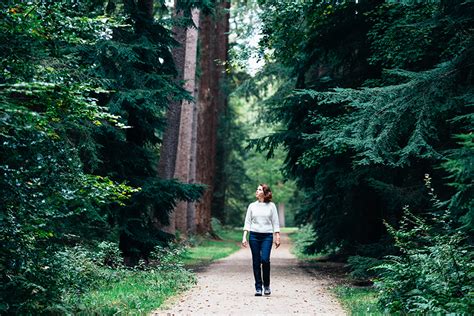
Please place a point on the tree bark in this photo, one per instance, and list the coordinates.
(169, 147)
(281, 214)
(191, 211)
(205, 122)
(183, 156)
(221, 51)
(212, 100)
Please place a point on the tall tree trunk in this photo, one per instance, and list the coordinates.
(281, 214)
(212, 100)
(221, 51)
(204, 141)
(183, 157)
(191, 211)
(169, 147)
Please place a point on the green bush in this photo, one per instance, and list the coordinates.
(169, 258)
(434, 272)
(49, 108)
(304, 239)
(367, 256)
(362, 267)
(216, 225)
(92, 279)
(64, 107)
(43, 279)
(126, 290)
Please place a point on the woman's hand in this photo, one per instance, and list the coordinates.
(244, 239)
(277, 240)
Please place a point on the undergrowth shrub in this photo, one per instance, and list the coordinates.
(434, 272)
(168, 258)
(361, 268)
(40, 282)
(304, 239)
(216, 225)
(119, 289)
(89, 279)
(368, 256)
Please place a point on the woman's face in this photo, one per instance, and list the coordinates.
(259, 192)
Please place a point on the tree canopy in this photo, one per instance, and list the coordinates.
(84, 90)
(378, 98)
(372, 109)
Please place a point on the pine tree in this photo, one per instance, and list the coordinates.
(139, 65)
(360, 139)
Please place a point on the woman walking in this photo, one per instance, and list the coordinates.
(262, 222)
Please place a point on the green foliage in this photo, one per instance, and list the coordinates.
(39, 281)
(460, 167)
(402, 36)
(318, 39)
(82, 104)
(48, 200)
(433, 272)
(360, 153)
(361, 267)
(284, 37)
(391, 125)
(137, 65)
(366, 257)
(94, 280)
(303, 239)
(385, 130)
(125, 290)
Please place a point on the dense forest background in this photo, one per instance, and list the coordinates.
(374, 113)
(126, 126)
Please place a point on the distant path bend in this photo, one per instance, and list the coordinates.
(226, 287)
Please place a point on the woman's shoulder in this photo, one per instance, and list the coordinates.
(270, 204)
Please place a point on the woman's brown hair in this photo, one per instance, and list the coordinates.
(267, 193)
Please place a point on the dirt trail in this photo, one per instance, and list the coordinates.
(226, 287)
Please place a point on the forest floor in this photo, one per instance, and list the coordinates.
(226, 287)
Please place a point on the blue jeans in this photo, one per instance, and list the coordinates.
(261, 246)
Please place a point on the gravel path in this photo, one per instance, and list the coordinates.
(226, 287)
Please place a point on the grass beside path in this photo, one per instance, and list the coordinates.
(139, 291)
(358, 300)
(206, 250)
(132, 292)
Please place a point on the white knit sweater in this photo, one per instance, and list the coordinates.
(262, 218)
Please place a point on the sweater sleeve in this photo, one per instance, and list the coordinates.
(275, 221)
(248, 219)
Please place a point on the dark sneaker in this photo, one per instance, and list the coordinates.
(258, 292)
(267, 291)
